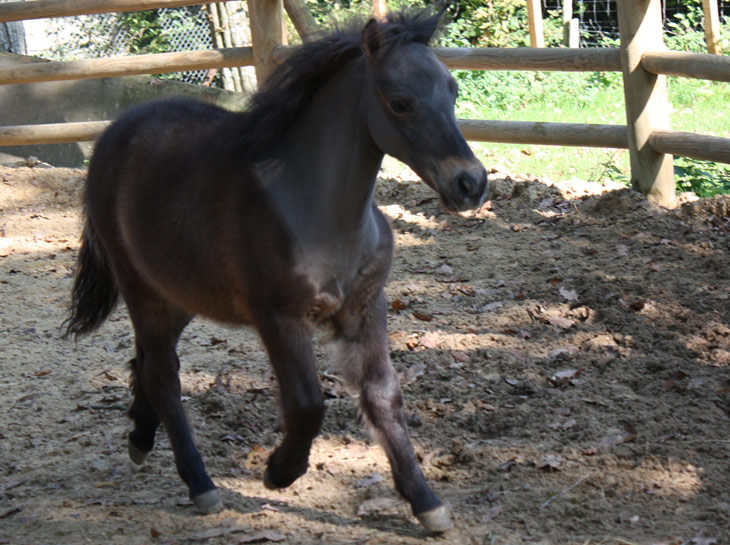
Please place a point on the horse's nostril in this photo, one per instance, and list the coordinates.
(466, 185)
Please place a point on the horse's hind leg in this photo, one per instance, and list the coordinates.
(361, 351)
(142, 437)
(158, 395)
(289, 344)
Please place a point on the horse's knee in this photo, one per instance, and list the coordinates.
(381, 393)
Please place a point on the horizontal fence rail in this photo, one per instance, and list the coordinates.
(52, 133)
(689, 144)
(689, 65)
(549, 134)
(153, 63)
(604, 59)
(40, 9)
(158, 63)
(512, 132)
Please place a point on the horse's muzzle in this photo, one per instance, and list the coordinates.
(467, 189)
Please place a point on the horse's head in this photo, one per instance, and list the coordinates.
(410, 110)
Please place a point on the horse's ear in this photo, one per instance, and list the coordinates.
(371, 39)
(428, 22)
(429, 28)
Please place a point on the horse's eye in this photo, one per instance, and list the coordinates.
(399, 106)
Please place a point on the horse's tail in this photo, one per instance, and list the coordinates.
(95, 293)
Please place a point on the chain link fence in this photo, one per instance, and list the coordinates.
(114, 34)
(187, 29)
(598, 19)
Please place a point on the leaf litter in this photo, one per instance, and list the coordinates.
(658, 309)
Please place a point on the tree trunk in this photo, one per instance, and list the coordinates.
(230, 27)
(12, 36)
(239, 28)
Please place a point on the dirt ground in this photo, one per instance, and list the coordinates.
(565, 362)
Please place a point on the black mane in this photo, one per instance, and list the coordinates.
(291, 85)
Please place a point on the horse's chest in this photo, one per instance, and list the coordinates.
(326, 302)
(338, 289)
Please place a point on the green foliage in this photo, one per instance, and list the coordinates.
(479, 91)
(703, 178)
(510, 92)
(145, 31)
(685, 32)
(553, 28)
(610, 171)
(154, 31)
(488, 23)
(327, 13)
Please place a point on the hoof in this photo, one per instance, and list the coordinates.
(136, 455)
(208, 502)
(436, 520)
(269, 484)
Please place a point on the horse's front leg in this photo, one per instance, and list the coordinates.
(289, 344)
(361, 350)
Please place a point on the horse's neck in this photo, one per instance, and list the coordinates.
(328, 162)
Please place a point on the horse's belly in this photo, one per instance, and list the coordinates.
(186, 272)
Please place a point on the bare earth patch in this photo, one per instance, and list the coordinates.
(565, 361)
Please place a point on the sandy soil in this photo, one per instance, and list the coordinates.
(565, 360)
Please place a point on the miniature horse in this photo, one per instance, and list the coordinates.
(267, 218)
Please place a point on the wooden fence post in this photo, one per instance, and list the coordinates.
(571, 26)
(302, 18)
(267, 32)
(647, 105)
(534, 20)
(380, 9)
(712, 26)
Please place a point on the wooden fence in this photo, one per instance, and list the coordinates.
(642, 58)
(570, 25)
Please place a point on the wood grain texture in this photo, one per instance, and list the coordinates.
(39, 9)
(551, 134)
(534, 22)
(687, 144)
(302, 18)
(157, 63)
(712, 26)
(604, 59)
(689, 65)
(51, 133)
(267, 25)
(647, 105)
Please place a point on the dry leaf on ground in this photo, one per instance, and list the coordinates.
(375, 505)
(369, 481)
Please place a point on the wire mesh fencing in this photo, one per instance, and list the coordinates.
(120, 34)
(187, 29)
(598, 19)
(215, 25)
(80, 37)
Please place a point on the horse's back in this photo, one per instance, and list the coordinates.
(163, 126)
(155, 155)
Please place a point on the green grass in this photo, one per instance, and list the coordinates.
(696, 106)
